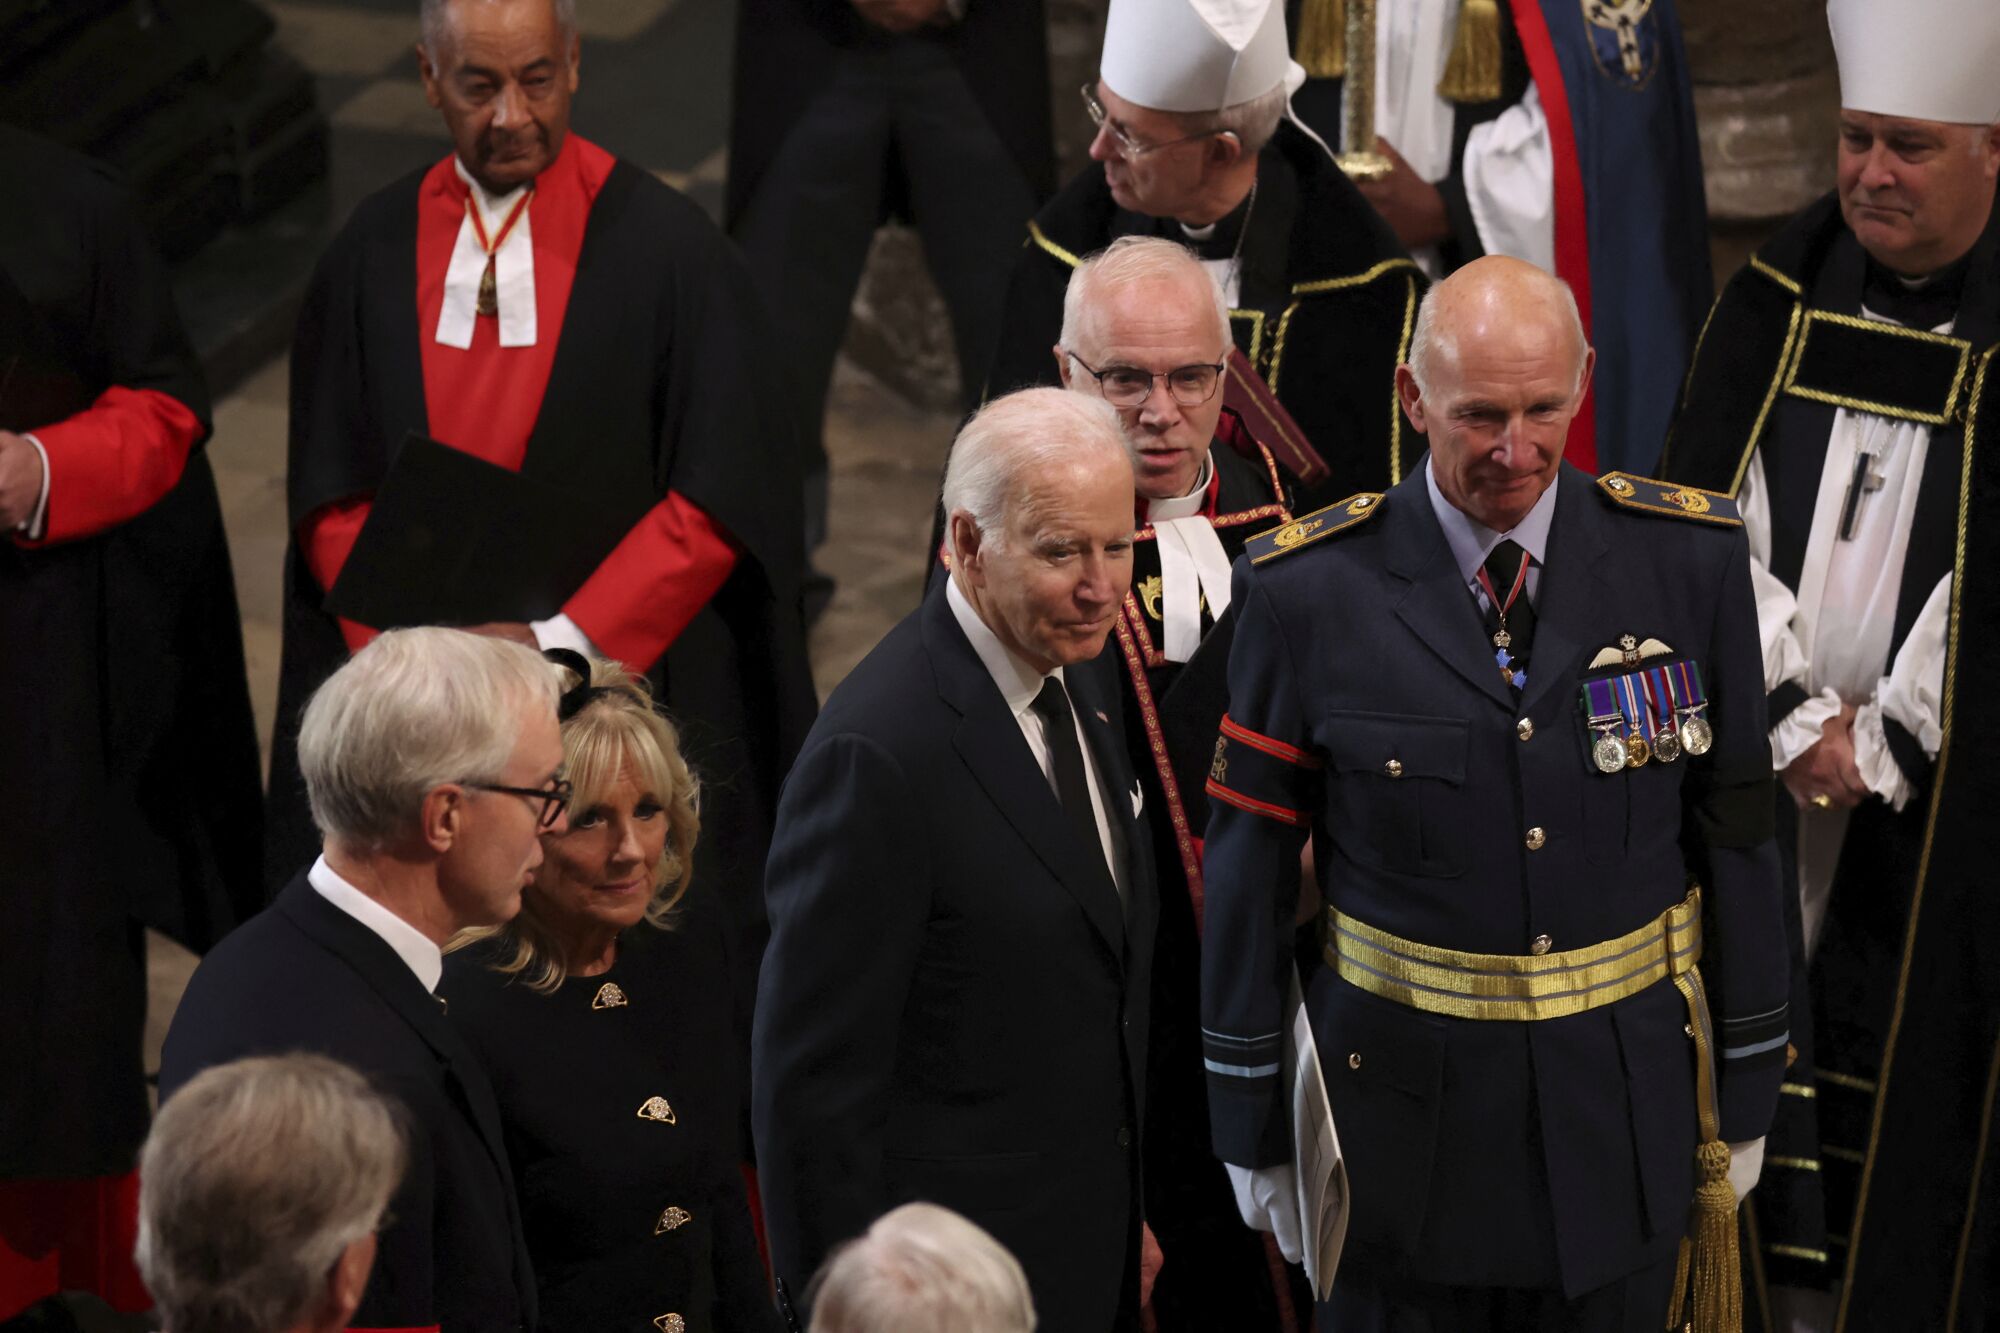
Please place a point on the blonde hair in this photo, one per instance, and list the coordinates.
(619, 727)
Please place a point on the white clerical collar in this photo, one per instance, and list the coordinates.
(415, 948)
(1199, 234)
(1189, 505)
(1019, 683)
(1471, 542)
(513, 271)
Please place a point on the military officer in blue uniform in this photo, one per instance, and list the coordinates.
(1520, 711)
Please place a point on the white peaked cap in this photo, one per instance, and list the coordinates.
(1919, 59)
(1198, 55)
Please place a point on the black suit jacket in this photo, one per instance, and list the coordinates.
(954, 1005)
(305, 976)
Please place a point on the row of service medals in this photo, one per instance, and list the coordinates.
(1653, 714)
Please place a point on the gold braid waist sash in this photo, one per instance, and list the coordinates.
(1515, 987)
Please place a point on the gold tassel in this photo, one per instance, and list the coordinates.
(1680, 1286)
(1473, 72)
(1322, 44)
(1717, 1277)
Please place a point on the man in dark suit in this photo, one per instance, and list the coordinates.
(431, 762)
(954, 1005)
(1527, 739)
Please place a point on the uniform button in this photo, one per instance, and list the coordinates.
(1540, 944)
(1354, 1060)
(1525, 729)
(1536, 837)
(1124, 1138)
(1394, 768)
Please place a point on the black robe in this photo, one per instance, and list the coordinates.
(128, 757)
(785, 53)
(1217, 1271)
(1326, 305)
(655, 386)
(1892, 1093)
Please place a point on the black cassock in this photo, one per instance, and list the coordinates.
(1324, 310)
(655, 386)
(1870, 1167)
(128, 758)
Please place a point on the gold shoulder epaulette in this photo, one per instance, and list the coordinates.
(1309, 528)
(1671, 498)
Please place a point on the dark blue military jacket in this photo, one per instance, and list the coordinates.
(1450, 809)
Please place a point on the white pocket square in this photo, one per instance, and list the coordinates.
(1138, 799)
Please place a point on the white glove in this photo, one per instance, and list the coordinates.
(1746, 1164)
(1268, 1198)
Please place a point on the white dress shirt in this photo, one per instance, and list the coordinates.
(1471, 541)
(1019, 684)
(414, 947)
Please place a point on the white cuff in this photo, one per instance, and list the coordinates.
(1877, 765)
(37, 521)
(1746, 1166)
(1800, 730)
(559, 631)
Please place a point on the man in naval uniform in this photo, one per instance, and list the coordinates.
(1146, 329)
(1196, 144)
(1559, 133)
(544, 310)
(1526, 740)
(1843, 394)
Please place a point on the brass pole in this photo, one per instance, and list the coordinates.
(1358, 157)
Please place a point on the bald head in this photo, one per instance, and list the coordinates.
(1497, 371)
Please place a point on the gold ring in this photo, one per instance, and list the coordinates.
(1823, 801)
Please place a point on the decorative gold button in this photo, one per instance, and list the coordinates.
(1394, 768)
(673, 1220)
(1525, 729)
(1689, 1029)
(656, 1108)
(1536, 837)
(671, 1323)
(1354, 1060)
(609, 997)
(1540, 945)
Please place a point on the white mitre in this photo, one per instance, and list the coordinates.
(1197, 55)
(1919, 59)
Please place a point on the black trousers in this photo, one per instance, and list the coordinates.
(898, 105)
(1365, 1303)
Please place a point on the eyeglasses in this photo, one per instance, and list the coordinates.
(554, 799)
(1127, 145)
(1129, 386)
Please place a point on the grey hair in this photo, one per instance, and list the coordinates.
(919, 1269)
(1013, 440)
(1252, 122)
(1133, 259)
(254, 1180)
(411, 711)
(435, 23)
(1427, 342)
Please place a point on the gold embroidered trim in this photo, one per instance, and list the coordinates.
(1798, 1090)
(1256, 318)
(1395, 398)
(1775, 276)
(1798, 1252)
(1794, 1163)
(1785, 356)
(1880, 329)
(1847, 1155)
(1361, 279)
(1845, 1080)
(1515, 987)
(1041, 239)
(1972, 1190)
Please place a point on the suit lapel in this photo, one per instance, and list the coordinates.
(1572, 590)
(990, 742)
(1435, 605)
(384, 970)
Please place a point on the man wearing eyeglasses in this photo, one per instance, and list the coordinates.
(1146, 329)
(1195, 143)
(431, 760)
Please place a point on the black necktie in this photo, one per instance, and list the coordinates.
(1072, 778)
(1503, 566)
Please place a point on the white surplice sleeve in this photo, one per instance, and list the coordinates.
(1509, 174)
(1912, 696)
